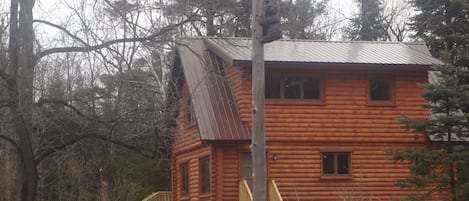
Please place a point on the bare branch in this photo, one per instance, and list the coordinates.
(10, 140)
(4, 105)
(64, 30)
(43, 155)
(3, 74)
(139, 150)
(41, 102)
(111, 42)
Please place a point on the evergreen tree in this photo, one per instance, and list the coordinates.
(442, 165)
(444, 26)
(301, 19)
(367, 25)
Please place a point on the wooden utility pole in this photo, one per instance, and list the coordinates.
(258, 136)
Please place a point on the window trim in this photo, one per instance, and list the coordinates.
(336, 176)
(282, 100)
(189, 113)
(207, 158)
(181, 165)
(390, 102)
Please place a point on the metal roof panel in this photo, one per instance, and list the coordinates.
(309, 51)
(216, 115)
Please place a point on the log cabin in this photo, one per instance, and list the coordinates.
(330, 116)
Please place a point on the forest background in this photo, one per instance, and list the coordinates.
(84, 112)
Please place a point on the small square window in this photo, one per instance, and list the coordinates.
(204, 174)
(336, 163)
(380, 90)
(184, 168)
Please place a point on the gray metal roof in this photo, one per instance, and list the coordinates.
(216, 112)
(308, 51)
(215, 109)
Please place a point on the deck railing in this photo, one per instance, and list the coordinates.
(159, 196)
(244, 191)
(246, 195)
(274, 194)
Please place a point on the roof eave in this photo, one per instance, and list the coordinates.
(336, 65)
(219, 51)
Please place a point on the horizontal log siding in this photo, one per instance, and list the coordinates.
(192, 158)
(187, 147)
(235, 76)
(297, 171)
(345, 115)
(297, 131)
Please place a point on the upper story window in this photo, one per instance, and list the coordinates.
(190, 116)
(336, 163)
(380, 90)
(294, 87)
(204, 174)
(184, 167)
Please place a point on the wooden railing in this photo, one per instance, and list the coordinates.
(274, 194)
(244, 191)
(159, 196)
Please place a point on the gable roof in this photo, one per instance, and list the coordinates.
(213, 102)
(216, 111)
(238, 50)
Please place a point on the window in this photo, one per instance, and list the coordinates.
(336, 163)
(189, 113)
(380, 90)
(184, 167)
(204, 174)
(293, 88)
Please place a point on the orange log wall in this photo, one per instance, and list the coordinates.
(297, 131)
(187, 147)
(297, 172)
(345, 115)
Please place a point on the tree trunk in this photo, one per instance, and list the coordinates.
(104, 183)
(20, 91)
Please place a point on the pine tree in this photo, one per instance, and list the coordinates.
(442, 165)
(444, 26)
(368, 24)
(301, 19)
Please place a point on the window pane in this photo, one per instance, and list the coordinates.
(184, 178)
(292, 88)
(188, 112)
(312, 89)
(272, 87)
(205, 175)
(328, 163)
(380, 90)
(343, 163)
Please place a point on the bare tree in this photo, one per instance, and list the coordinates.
(19, 67)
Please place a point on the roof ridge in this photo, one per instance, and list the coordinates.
(298, 40)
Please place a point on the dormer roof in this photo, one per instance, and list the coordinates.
(214, 105)
(238, 50)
